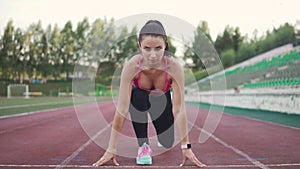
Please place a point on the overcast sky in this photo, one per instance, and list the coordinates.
(249, 15)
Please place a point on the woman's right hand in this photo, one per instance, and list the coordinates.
(105, 158)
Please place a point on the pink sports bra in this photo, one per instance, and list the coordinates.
(136, 82)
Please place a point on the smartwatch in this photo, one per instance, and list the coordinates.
(186, 146)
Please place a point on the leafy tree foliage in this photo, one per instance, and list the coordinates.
(53, 52)
(233, 47)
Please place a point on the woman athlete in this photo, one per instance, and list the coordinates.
(145, 85)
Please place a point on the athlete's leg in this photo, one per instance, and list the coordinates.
(162, 118)
(139, 114)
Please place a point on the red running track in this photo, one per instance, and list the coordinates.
(56, 139)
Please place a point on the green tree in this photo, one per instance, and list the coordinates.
(81, 37)
(101, 39)
(35, 51)
(228, 58)
(67, 49)
(203, 26)
(200, 50)
(297, 33)
(284, 34)
(225, 41)
(246, 51)
(45, 67)
(25, 54)
(171, 46)
(18, 54)
(54, 57)
(126, 46)
(277, 37)
(7, 50)
(237, 39)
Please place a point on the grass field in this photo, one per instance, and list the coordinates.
(14, 106)
(292, 120)
(21, 105)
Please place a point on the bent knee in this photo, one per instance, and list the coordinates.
(166, 139)
(167, 143)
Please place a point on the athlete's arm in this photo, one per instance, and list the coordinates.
(179, 111)
(127, 76)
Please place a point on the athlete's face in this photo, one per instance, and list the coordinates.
(152, 48)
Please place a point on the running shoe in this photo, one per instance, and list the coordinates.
(144, 155)
(159, 145)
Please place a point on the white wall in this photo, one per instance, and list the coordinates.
(285, 101)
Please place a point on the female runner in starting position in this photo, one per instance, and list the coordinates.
(146, 81)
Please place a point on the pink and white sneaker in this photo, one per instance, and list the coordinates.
(144, 155)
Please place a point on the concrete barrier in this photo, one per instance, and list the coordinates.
(282, 100)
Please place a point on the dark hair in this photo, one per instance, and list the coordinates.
(155, 28)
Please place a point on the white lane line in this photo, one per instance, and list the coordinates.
(35, 112)
(42, 111)
(81, 148)
(141, 166)
(31, 105)
(241, 153)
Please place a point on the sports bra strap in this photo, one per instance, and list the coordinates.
(167, 85)
(167, 74)
(139, 70)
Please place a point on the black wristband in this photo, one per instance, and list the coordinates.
(186, 146)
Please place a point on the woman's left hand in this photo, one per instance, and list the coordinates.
(189, 155)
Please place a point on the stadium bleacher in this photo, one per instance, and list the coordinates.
(270, 81)
(277, 71)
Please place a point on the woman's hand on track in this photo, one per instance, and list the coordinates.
(105, 158)
(189, 155)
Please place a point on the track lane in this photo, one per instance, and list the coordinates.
(49, 138)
